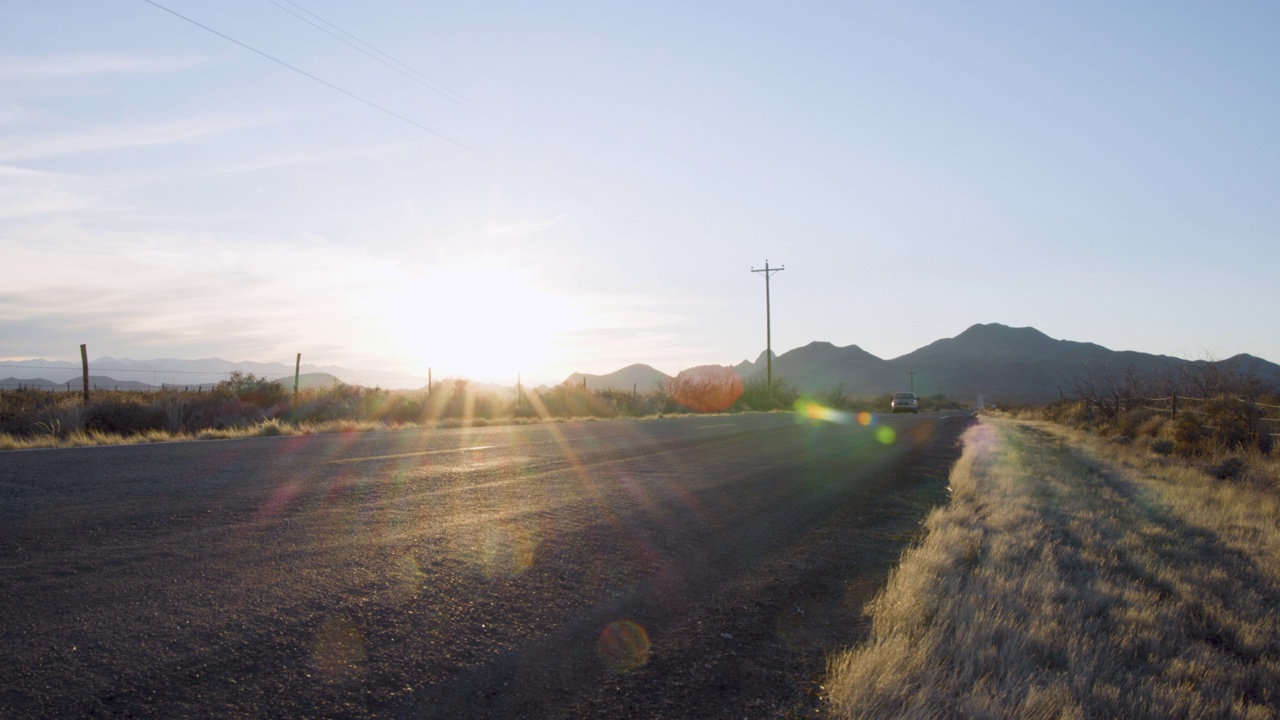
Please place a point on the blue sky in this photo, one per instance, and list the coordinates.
(557, 187)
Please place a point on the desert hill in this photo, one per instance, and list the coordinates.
(639, 376)
(1013, 364)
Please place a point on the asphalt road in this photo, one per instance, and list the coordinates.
(662, 568)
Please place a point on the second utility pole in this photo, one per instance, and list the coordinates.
(768, 329)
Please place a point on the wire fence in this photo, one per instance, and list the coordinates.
(1175, 404)
(164, 379)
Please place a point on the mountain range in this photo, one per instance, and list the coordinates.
(127, 373)
(1006, 363)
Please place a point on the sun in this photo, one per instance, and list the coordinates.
(481, 319)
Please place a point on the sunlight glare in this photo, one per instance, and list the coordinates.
(480, 319)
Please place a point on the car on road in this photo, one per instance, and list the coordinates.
(905, 402)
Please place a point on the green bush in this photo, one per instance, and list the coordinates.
(757, 395)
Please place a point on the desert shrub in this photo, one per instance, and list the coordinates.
(1128, 422)
(756, 395)
(253, 390)
(706, 388)
(1189, 435)
(446, 399)
(1230, 467)
(1161, 446)
(28, 412)
(571, 400)
(403, 407)
(123, 417)
(1151, 427)
(836, 398)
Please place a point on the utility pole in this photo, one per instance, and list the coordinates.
(768, 325)
(912, 373)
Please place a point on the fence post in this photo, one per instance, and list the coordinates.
(84, 364)
(1175, 406)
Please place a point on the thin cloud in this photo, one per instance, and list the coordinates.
(19, 149)
(278, 161)
(523, 228)
(28, 193)
(19, 69)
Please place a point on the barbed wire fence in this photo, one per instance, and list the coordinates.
(200, 380)
(1175, 404)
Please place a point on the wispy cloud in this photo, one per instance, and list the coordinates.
(27, 193)
(279, 160)
(523, 228)
(18, 148)
(19, 68)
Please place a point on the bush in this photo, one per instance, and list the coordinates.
(124, 418)
(1229, 468)
(1129, 422)
(756, 395)
(253, 390)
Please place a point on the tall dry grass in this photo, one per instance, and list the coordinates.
(1072, 579)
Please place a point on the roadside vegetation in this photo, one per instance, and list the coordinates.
(1089, 564)
(249, 406)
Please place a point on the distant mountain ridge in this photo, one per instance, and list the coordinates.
(638, 377)
(1007, 363)
(1013, 364)
(143, 374)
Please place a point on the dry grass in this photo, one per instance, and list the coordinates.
(1069, 578)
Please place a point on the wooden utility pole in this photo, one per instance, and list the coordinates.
(84, 365)
(913, 374)
(768, 324)
(297, 368)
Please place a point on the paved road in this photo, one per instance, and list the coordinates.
(626, 568)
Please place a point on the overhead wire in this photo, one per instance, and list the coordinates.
(322, 81)
(377, 55)
(403, 118)
(436, 86)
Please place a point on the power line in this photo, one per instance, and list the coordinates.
(438, 87)
(378, 55)
(322, 81)
(443, 90)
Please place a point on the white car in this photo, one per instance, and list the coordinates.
(905, 402)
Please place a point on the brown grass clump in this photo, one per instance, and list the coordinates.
(1073, 578)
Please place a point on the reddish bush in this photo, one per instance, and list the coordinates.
(706, 388)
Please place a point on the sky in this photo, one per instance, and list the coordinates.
(490, 189)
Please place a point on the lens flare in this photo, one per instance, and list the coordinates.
(814, 412)
(864, 418)
(886, 434)
(407, 577)
(338, 650)
(623, 646)
(504, 551)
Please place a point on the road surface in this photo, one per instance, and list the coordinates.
(694, 566)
